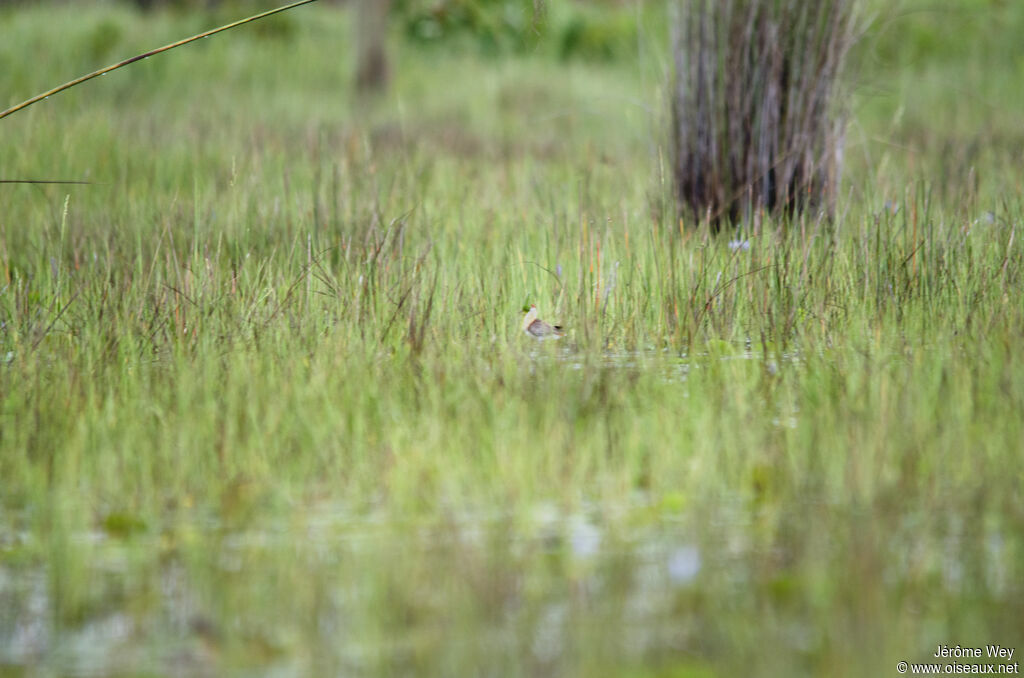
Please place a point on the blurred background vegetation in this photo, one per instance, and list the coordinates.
(917, 66)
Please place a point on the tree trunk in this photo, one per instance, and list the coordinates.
(372, 69)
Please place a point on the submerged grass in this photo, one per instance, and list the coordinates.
(266, 405)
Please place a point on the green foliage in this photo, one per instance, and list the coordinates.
(597, 33)
(104, 38)
(570, 30)
(496, 26)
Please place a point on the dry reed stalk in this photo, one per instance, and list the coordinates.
(145, 55)
(121, 64)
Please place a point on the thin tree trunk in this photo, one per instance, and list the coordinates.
(372, 68)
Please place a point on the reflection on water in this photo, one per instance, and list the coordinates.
(385, 594)
(643, 591)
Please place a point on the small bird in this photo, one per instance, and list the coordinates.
(537, 328)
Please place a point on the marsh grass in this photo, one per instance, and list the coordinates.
(266, 405)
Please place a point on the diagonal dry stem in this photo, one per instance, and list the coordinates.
(140, 57)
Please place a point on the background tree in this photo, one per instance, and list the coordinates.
(372, 68)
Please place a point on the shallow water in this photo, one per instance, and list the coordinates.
(641, 590)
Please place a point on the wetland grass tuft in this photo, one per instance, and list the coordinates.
(757, 116)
